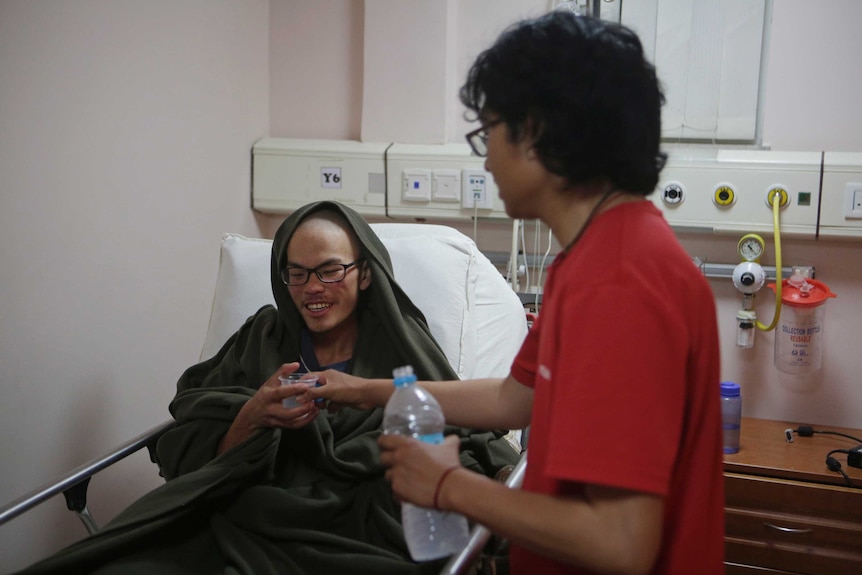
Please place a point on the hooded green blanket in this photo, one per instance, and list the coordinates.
(311, 501)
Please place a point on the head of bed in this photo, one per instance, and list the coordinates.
(472, 312)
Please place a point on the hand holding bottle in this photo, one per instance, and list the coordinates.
(416, 449)
(414, 468)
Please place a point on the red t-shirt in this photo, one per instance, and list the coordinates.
(624, 359)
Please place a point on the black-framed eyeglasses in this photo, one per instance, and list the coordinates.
(478, 138)
(327, 273)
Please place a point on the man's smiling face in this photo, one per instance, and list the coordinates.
(328, 309)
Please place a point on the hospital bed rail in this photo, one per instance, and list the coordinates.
(73, 485)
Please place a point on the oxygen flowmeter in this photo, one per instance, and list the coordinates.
(748, 278)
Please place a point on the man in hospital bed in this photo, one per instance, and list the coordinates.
(256, 488)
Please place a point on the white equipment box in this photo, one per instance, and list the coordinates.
(725, 191)
(722, 191)
(841, 209)
(289, 173)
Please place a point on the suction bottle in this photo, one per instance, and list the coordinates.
(799, 337)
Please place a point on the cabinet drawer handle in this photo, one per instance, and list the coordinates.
(788, 529)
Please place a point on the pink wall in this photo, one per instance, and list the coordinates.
(125, 137)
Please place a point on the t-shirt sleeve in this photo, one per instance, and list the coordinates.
(524, 366)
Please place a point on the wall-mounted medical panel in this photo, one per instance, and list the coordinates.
(727, 191)
(841, 204)
(439, 181)
(289, 173)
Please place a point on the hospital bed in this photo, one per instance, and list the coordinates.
(473, 314)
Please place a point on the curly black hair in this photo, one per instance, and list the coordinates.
(582, 87)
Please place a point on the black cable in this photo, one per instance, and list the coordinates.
(808, 431)
(832, 463)
(841, 434)
(835, 465)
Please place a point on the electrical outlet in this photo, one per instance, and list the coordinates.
(474, 190)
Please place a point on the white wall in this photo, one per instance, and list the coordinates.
(125, 137)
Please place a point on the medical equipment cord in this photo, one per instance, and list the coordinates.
(542, 268)
(835, 465)
(832, 463)
(512, 272)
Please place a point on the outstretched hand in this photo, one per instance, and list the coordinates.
(338, 390)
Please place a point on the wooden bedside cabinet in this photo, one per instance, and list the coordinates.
(786, 513)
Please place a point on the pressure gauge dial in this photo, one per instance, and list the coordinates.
(751, 247)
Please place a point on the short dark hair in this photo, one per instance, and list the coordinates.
(583, 88)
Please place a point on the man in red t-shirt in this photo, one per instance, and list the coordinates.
(619, 376)
(624, 365)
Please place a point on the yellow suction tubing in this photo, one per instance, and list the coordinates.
(775, 200)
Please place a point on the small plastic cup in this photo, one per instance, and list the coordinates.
(308, 379)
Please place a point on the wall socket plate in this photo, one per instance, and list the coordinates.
(853, 201)
(446, 185)
(474, 190)
(416, 185)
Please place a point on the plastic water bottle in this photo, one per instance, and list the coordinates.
(731, 415)
(414, 412)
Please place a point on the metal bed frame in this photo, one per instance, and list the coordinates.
(73, 485)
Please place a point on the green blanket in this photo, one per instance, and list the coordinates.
(309, 501)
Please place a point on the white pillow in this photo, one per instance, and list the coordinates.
(500, 321)
(495, 323)
(242, 287)
(435, 266)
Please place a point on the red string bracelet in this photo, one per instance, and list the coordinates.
(440, 484)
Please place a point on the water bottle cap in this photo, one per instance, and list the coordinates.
(403, 375)
(729, 389)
